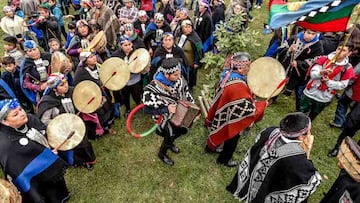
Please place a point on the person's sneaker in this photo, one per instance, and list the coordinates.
(334, 125)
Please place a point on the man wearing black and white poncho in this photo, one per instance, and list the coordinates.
(160, 97)
(276, 168)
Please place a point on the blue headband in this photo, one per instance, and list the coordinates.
(6, 106)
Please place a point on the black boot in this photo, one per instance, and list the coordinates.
(334, 151)
(163, 156)
(174, 149)
(166, 159)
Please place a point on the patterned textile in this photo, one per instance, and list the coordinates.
(155, 96)
(109, 23)
(128, 13)
(275, 169)
(232, 111)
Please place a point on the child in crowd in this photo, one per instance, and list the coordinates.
(54, 45)
(11, 49)
(11, 77)
(70, 34)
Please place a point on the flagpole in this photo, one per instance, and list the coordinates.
(346, 39)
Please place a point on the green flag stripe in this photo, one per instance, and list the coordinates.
(280, 8)
(329, 16)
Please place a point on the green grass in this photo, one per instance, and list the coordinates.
(128, 169)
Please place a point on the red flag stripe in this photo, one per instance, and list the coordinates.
(337, 25)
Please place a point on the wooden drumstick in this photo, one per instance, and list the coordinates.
(132, 60)
(112, 75)
(89, 102)
(72, 133)
(282, 83)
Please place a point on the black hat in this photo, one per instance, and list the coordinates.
(10, 40)
(295, 124)
(170, 65)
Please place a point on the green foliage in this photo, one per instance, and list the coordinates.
(231, 37)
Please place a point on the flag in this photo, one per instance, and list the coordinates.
(317, 15)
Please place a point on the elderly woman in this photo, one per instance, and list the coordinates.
(203, 25)
(181, 14)
(25, 158)
(58, 100)
(12, 24)
(189, 41)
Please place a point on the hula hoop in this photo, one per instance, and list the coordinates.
(130, 117)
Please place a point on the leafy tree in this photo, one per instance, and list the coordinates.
(231, 37)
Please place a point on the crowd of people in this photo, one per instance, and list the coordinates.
(275, 169)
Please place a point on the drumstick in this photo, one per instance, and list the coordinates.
(132, 60)
(112, 75)
(67, 138)
(282, 83)
(91, 100)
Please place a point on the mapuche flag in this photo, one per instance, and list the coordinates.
(317, 15)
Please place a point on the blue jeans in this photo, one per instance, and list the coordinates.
(259, 2)
(299, 91)
(341, 109)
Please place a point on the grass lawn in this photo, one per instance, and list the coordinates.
(128, 169)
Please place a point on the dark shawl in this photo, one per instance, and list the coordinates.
(84, 151)
(204, 27)
(31, 164)
(161, 53)
(274, 170)
(150, 34)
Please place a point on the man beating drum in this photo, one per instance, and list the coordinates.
(161, 97)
